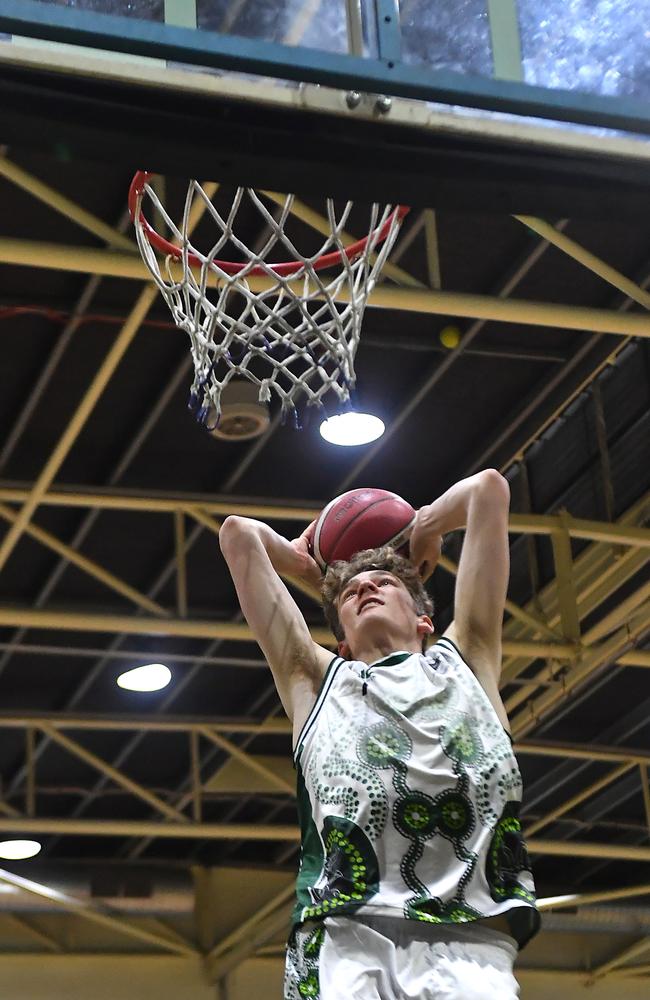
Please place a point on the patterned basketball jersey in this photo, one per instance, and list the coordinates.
(409, 796)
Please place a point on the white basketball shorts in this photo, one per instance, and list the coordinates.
(386, 958)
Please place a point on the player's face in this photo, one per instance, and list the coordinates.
(373, 601)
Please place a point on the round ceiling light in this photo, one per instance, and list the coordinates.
(150, 677)
(19, 850)
(352, 428)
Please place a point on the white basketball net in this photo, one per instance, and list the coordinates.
(295, 335)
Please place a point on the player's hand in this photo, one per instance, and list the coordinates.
(310, 571)
(425, 547)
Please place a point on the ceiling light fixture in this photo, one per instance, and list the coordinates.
(150, 677)
(19, 850)
(352, 428)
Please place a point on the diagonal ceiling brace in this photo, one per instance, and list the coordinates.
(589, 260)
(86, 565)
(95, 913)
(85, 407)
(65, 206)
(111, 772)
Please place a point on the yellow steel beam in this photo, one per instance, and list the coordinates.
(280, 832)
(85, 564)
(633, 951)
(583, 385)
(576, 675)
(590, 898)
(265, 930)
(24, 925)
(170, 932)
(583, 849)
(645, 788)
(572, 751)
(642, 539)
(30, 767)
(149, 828)
(591, 595)
(181, 563)
(8, 810)
(637, 658)
(587, 259)
(111, 263)
(598, 572)
(575, 800)
(195, 776)
(95, 913)
(187, 797)
(69, 436)
(531, 621)
(214, 526)
(126, 723)
(621, 569)
(618, 615)
(620, 533)
(593, 531)
(112, 773)
(243, 931)
(274, 726)
(154, 503)
(202, 629)
(433, 249)
(642, 969)
(71, 210)
(564, 581)
(247, 760)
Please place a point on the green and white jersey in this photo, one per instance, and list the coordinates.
(409, 796)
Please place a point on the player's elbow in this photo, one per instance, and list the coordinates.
(232, 533)
(494, 487)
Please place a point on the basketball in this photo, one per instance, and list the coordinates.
(360, 519)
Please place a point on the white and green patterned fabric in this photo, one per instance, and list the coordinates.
(409, 796)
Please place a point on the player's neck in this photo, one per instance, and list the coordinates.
(383, 646)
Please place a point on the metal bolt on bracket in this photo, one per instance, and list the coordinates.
(383, 104)
(353, 99)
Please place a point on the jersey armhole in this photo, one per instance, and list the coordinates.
(325, 686)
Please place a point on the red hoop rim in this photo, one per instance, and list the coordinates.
(283, 269)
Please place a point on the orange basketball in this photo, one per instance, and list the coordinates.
(360, 519)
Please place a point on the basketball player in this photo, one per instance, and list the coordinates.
(414, 880)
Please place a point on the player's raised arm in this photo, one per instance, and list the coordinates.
(480, 504)
(256, 555)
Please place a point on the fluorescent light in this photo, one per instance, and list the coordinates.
(18, 850)
(550, 901)
(151, 677)
(352, 428)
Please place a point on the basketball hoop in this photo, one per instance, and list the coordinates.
(286, 326)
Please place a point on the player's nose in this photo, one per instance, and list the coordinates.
(365, 586)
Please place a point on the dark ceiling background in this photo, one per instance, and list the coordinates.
(520, 398)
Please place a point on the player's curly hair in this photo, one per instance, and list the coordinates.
(385, 558)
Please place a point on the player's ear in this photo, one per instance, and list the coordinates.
(424, 626)
(344, 650)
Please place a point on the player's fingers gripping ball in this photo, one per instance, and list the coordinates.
(361, 519)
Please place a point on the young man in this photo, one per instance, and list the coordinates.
(414, 879)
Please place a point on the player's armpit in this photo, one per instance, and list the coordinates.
(481, 661)
(255, 555)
